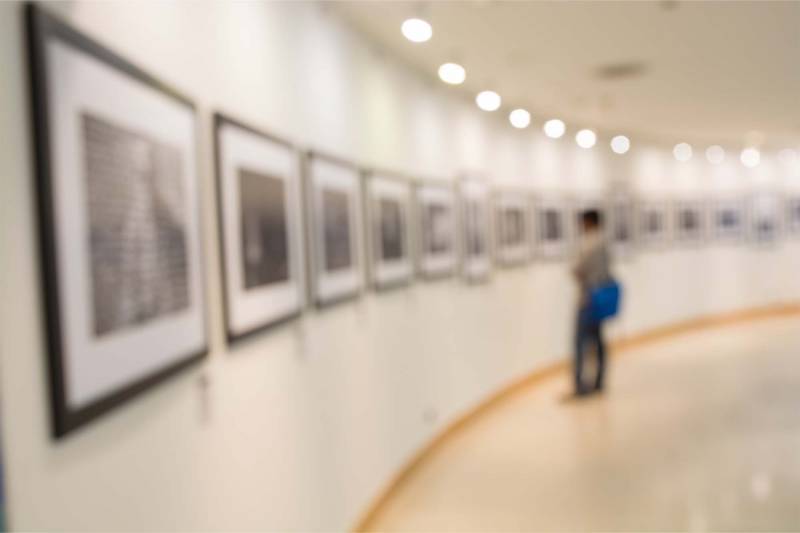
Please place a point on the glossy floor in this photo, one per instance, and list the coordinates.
(699, 432)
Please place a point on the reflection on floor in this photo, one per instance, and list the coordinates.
(699, 432)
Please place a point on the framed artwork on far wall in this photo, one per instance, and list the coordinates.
(476, 224)
(729, 219)
(334, 206)
(438, 248)
(765, 218)
(388, 201)
(793, 214)
(552, 226)
(259, 216)
(690, 222)
(512, 225)
(621, 223)
(119, 204)
(652, 223)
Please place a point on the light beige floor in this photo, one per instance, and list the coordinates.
(701, 432)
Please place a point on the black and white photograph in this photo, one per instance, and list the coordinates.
(389, 208)
(264, 235)
(552, 227)
(512, 225)
(621, 225)
(334, 209)
(437, 229)
(259, 210)
(728, 219)
(689, 219)
(476, 219)
(765, 218)
(793, 214)
(652, 223)
(120, 222)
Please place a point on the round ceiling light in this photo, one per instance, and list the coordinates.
(488, 100)
(585, 138)
(417, 30)
(519, 118)
(452, 73)
(620, 144)
(750, 157)
(682, 152)
(554, 128)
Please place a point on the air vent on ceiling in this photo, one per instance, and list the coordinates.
(619, 71)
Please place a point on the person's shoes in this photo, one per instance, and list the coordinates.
(574, 396)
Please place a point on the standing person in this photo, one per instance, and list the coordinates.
(591, 270)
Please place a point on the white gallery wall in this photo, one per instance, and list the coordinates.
(299, 427)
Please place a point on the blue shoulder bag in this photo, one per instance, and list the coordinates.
(604, 301)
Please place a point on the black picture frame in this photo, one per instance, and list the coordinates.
(42, 28)
(388, 274)
(296, 243)
(690, 221)
(621, 228)
(426, 262)
(729, 220)
(314, 224)
(475, 229)
(553, 226)
(510, 251)
(766, 218)
(653, 224)
(792, 209)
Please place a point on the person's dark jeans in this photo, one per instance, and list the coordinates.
(588, 333)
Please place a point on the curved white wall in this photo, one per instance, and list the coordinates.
(302, 425)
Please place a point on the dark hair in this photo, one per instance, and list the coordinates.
(592, 218)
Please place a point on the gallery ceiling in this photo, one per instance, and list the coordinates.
(725, 72)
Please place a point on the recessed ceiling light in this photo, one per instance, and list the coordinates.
(715, 154)
(620, 144)
(519, 118)
(750, 157)
(452, 73)
(554, 128)
(488, 100)
(682, 152)
(585, 138)
(417, 30)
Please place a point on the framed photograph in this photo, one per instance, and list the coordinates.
(259, 214)
(335, 212)
(552, 226)
(438, 248)
(765, 218)
(620, 223)
(476, 233)
(729, 219)
(512, 224)
(119, 200)
(389, 208)
(652, 221)
(793, 214)
(690, 221)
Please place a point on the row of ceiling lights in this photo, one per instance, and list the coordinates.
(419, 31)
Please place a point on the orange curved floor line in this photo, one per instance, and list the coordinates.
(546, 372)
